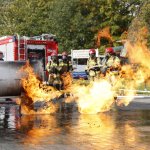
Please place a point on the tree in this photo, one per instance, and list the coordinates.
(74, 22)
(25, 17)
(140, 27)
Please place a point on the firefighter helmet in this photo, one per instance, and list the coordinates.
(92, 51)
(109, 50)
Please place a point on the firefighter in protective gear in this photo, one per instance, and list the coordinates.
(54, 72)
(113, 64)
(66, 68)
(65, 64)
(93, 65)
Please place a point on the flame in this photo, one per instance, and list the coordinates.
(97, 97)
(139, 53)
(137, 72)
(67, 80)
(104, 33)
(35, 90)
(44, 108)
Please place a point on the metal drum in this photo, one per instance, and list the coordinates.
(10, 78)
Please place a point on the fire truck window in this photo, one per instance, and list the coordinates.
(36, 54)
(33, 55)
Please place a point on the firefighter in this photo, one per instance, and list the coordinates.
(112, 64)
(93, 65)
(54, 72)
(1, 56)
(65, 64)
(113, 61)
(66, 68)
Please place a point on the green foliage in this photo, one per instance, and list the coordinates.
(74, 22)
(140, 27)
(24, 17)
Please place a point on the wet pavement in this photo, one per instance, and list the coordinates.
(69, 130)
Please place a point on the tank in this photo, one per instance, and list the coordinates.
(10, 76)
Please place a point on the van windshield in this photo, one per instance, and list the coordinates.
(82, 61)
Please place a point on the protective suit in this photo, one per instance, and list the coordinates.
(54, 71)
(113, 65)
(113, 62)
(93, 66)
(66, 68)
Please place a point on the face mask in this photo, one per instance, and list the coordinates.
(64, 57)
(107, 55)
(92, 55)
(54, 58)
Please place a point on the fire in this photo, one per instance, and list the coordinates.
(139, 53)
(137, 72)
(67, 80)
(35, 90)
(104, 33)
(97, 97)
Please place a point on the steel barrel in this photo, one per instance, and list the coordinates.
(10, 78)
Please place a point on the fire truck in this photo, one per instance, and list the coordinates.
(17, 48)
(16, 51)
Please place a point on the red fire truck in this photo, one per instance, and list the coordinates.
(17, 48)
(16, 51)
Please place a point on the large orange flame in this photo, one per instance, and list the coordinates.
(35, 90)
(104, 33)
(97, 97)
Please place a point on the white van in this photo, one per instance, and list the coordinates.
(79, 61)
